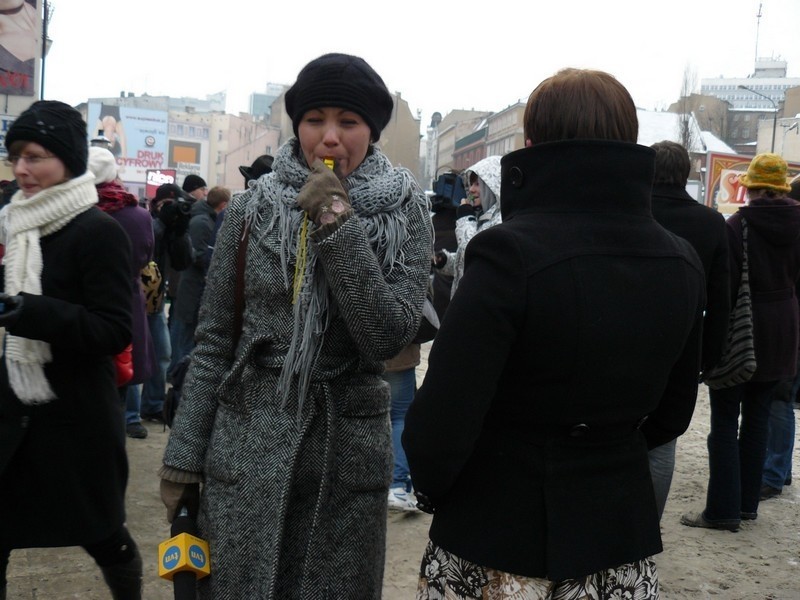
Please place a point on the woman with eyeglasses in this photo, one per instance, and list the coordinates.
(66, 309)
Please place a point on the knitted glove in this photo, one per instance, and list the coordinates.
(10, 309)
(175, 495)
(322, 196)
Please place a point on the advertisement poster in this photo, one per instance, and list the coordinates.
(723, 190)
(158, 177)
(20, 45)
(138, 137)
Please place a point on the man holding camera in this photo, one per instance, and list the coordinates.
(183, 321)
(173, 252)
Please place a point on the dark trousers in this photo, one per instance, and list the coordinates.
(118, 549)
(736, 450)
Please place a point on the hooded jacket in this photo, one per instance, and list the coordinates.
(773, 251)
(488, 170)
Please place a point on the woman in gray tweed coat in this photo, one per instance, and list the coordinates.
(288, 429)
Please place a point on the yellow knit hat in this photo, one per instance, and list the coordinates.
(766, 170)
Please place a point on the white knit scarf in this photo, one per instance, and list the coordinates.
(23, 223)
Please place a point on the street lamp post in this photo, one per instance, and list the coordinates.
(774, 116)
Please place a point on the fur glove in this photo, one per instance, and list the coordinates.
(322, 196)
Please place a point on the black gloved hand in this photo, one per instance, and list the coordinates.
(10, 309)
(439, 259)
(465, 210)
(174, 218)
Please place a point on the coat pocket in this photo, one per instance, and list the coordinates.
(364, 455)
(228, 434)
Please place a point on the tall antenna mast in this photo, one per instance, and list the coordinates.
(758, 24)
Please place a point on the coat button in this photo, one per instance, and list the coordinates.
(25, 421)
(579, 430)
(515, 177)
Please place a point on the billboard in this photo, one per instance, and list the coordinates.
(186, 156)
(20, 46)
(156, 178)
(138, 137)
(723, 190)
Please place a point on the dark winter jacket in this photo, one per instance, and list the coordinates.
(173, 251)
(63, 467)
(704, 228)
(773, 243)
(586, 315)
(193, 279)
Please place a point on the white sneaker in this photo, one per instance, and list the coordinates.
(400, 499)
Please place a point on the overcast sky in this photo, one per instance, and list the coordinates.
(440, 54)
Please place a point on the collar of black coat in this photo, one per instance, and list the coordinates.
(577, 176)
(671, 191)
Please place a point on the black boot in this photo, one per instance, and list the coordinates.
(124, 579)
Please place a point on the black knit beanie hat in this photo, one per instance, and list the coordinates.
(193, 182)
(57, 127)
(343, 81)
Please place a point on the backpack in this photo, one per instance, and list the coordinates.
(152, 287)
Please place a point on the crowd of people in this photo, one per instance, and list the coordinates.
(587, 295)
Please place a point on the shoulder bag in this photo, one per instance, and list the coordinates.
(738, 362)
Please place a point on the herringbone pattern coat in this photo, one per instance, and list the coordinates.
(294, 506)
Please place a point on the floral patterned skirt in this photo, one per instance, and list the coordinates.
(444, 576)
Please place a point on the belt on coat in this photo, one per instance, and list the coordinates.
(587, 431)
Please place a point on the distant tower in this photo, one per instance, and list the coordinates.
(758, 25)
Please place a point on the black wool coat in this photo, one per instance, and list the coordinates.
(63, 467)
(704, 228)
(579, 316)
(773, 250)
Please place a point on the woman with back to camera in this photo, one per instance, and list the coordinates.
(737, 447)
(67, 299)
(114, 200)
(287, 424)
(535, 465)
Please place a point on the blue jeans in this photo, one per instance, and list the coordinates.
(154, 389)
(736, 453)
(133, 401)
(780, 443)
(402, 384)
(662, 465)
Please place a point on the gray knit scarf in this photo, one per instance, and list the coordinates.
(376, 191)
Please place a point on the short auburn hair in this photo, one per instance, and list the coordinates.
(580, 104)
(218, 195)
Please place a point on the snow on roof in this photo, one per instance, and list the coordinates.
(659, 126)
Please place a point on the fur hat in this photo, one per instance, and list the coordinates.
(102, 164)
(193, 182)
(343, 81)
(768, 171)
(260, 166)
(57, 127)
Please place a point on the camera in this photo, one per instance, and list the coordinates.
(184, 205)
